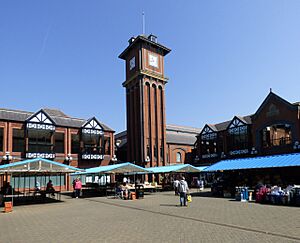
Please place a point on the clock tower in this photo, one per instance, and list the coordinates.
(145, 100)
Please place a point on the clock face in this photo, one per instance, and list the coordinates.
(132, 63)
(153, 60)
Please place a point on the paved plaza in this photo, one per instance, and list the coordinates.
(156, 218)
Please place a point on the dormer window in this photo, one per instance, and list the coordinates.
(238, 137)
(208, 146)
(40, 129)
(92, 139)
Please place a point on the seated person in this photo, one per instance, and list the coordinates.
(124, 191)
(6, 189)
(50, 188)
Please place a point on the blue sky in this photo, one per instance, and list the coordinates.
(225, 57)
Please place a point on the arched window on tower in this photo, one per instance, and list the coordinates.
(178, 157)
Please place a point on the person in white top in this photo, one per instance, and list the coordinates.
(175, 186)
(125, 180)
(183, 189)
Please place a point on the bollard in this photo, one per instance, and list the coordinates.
(7, 207)
(133, 196)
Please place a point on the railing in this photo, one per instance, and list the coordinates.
(277, 142)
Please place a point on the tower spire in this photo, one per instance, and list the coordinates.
(143, 16)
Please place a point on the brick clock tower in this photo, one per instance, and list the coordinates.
(145, 100)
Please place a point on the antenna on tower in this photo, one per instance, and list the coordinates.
(143, 15)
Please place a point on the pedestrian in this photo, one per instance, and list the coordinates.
(175, 186)
(50, 188)
(78, 187)
(183, 189)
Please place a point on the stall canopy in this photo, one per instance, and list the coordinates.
(38, 165)
(182, 168)
(286, 160)
(113, 169)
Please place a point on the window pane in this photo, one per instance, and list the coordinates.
(75, 144)
(39, 141)
(106, 145)
(18, 140)
(178, 157)
(59, 142)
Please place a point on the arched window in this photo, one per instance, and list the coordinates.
(178, 157)
(276, 135)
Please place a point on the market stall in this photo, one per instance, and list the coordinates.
(273, 179)
(33, 179)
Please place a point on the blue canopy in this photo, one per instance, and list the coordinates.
(37, 165)
(111, 169)
(181, 168)
(285, 160)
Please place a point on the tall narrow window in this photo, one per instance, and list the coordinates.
(75, 144)
(18, 140)
(59, 146)
(162, 154)
(1, 138)
(155, 153)
(107, 145)
(178, 157)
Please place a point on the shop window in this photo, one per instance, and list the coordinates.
(39, 141)
(276, 135)
(59, 142)
(1, 138)
(18, 140)
(178, 157)
(75, 144)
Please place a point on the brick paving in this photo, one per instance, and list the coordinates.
(156, 218)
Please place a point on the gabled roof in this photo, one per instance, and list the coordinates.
(113, 169)
(93, 123)
(181, 168)
(38, 165)
(273, 95)
(246, 120)
(41, 117)
(59, 118)
(207, 128)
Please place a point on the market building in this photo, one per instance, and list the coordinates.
(180, 142)
(273, 129)
(51, 134)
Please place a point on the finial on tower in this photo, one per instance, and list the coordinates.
(270, 90)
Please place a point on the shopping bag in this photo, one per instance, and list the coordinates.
(189, 198)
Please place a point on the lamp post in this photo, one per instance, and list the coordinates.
(253, 151)
(68, 158)
(296, 145)
(7, 157)
(114, 159)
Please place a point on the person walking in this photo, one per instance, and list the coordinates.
(183, 189)
(175, 186)
(78, 187)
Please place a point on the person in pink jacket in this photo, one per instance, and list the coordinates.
(78, 187)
